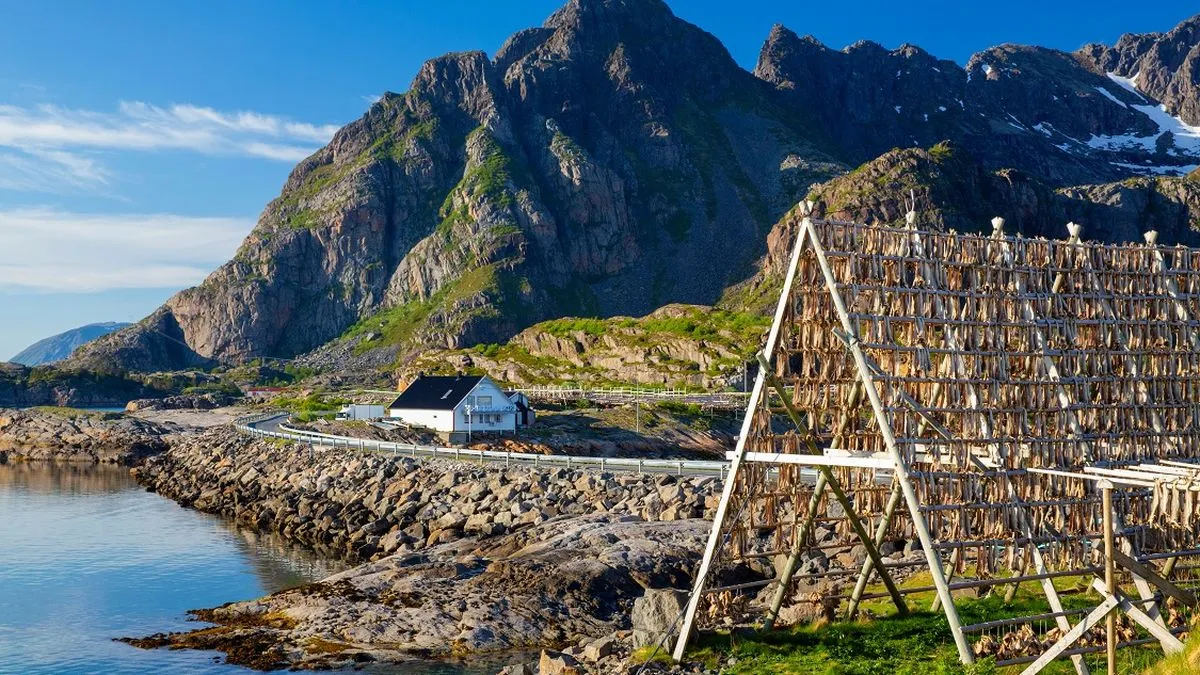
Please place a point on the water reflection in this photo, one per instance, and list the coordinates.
(279, 564)
(87, 555)
(64, 479)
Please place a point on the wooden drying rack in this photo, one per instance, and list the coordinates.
(966, 381)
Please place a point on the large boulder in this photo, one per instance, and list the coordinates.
(657, 613)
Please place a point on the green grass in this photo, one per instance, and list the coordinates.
(1183, 663)
(311, 407)
(399, 325)
(739, 328)
(941, 152)
(64, 411)
(919, 643)
(565, 327)
(489, 180)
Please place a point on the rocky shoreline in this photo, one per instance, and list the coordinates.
(562, 585)
(75, 436)
(362, 506)
(457, 558)
(454, 560)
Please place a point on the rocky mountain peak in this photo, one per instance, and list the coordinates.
(617, 159)
(607, 15)
(1164, 66)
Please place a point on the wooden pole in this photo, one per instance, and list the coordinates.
(714, 536)
(1110, 622)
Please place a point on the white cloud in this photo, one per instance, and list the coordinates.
(285, 153)
(45, 145)
(51, 250)
(41, 170)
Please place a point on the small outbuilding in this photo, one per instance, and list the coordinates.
(457, 406)
(360, 411)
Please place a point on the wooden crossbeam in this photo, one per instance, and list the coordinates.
(1184, 597)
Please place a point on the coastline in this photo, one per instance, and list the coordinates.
(454, 559)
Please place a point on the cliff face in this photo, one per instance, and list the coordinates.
(609, 162)
(617, 159)
(953, 190)
(1164, 66)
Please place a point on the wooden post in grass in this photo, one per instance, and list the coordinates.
(1110, 621)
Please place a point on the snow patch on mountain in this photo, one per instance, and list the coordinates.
(1186, 138)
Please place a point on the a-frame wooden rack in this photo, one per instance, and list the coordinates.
(923, 375)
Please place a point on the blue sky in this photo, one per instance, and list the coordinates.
(139, 140)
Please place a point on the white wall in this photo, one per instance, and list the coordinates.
(438, 420)
(500, 412)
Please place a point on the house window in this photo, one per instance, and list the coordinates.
(483, 401)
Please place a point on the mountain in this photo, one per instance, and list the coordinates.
(1043, 111)
(59, 347)
(616, 160)
(1163, 66)
(957, 192)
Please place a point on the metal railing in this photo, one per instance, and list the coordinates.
(632, 393)
(680, 467)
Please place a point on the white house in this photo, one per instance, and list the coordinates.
(458, 405)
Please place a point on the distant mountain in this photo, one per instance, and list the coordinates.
(617, 159)
(59, 347)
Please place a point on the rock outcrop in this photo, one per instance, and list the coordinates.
(674, 346)
(21, 387)
(64, 436)
(570, 579)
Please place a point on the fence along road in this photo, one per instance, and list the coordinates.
(272, 425)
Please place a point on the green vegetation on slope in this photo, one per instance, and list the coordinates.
(1183, 663)
(310, 407)
(918, 644)
(398, 325)
(739, 330)
(677, 347)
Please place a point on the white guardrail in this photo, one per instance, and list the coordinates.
(635, 393)
(682, 467)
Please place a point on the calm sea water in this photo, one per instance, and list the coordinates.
(86, 555)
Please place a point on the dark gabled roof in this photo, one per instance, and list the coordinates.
(430, 392)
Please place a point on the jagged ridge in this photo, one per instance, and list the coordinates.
(611, 161)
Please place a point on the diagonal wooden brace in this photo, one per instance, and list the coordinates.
(1186, 598)
(860, 531)
(1072, 636)
(1170, 643)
